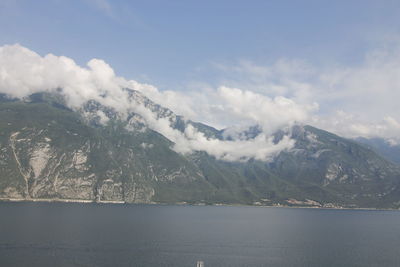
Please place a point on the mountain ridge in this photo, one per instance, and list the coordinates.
(383, 147)
(51, 151)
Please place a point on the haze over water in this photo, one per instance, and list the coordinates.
(56, 234)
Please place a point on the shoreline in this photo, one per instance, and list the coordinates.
(85, 201)
(58, 200)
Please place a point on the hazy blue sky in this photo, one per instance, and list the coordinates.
(332, 64)
(171, 43)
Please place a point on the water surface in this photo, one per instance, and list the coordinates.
(73, 234)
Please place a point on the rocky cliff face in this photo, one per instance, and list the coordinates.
(53, 153)
(49, 151)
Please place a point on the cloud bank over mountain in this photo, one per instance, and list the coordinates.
(358, 101)
(352, 101)
(23, 72)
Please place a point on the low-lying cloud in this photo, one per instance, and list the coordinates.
(24, 72)
(354, 100)
(350, 101)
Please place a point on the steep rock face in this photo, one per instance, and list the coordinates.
(95, 153)
(46, 162)
(49, 152)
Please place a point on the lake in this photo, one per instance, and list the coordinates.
(74, 234)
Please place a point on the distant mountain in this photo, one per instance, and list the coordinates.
(383, 147)
(49, 151)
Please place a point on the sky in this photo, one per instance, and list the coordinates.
(173, 43)
(332, 64)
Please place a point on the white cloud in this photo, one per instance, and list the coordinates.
(23, 72)
(358, 100)
(352, 126)
(103, 119)
(289, 78)
(271, 114)
(261, 148)
(226, 107)
(351, 101)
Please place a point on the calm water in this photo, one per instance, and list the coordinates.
(56, 234)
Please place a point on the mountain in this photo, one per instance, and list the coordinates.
(49, 151)
(383, 147)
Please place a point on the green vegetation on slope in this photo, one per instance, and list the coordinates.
(50, 151)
